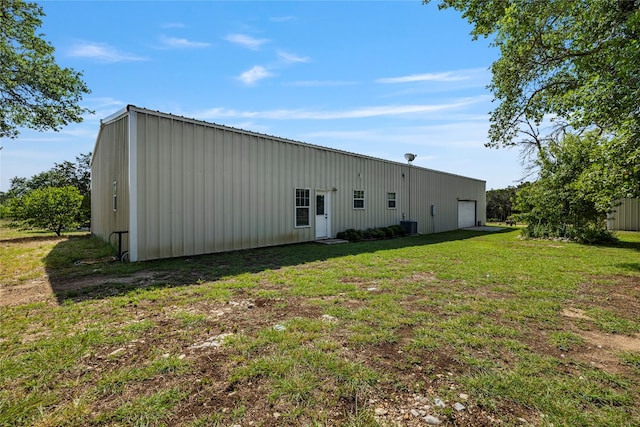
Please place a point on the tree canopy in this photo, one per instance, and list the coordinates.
(562, 203)
(77, 175)
(565, 66)
(35, 92)
(50, 208)
(500, 203)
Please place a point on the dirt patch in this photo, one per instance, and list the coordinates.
(30, 292)
(619, 294)
(612, 342)
(616, 293)
(602, 351)
(574, 313)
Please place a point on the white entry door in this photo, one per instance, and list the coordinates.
(323, 221)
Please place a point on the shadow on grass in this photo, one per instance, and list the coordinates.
(635, 266)
(28, 239)
(78, 271)
(627, 245)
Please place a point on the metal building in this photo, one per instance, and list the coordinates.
(625, 216)
(170, 186)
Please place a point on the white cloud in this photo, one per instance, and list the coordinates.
(173, 25)
(320, 83)
(175, 42)
(253, 75)
(289, 57)
(102, 106)
(461, 134)
(447, 76)
(282, 18)
(356, 113)
(102, 52)
(348, 135)
(246, 41)
(104, 101)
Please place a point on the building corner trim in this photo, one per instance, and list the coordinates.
(133, 186)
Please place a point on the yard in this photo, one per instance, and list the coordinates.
(462, 328)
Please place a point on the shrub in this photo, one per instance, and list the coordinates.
(588, 234)
(353, 235)
(387, 231)
(398, 230)
(377, 233)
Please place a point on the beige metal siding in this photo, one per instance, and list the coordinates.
(626, 216)
(442, 190)
(204, 188)
(208, 189)
(109, 164)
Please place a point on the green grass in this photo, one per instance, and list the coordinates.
(320, 335)
(566, 341)
(144, 410)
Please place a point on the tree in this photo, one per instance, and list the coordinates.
(499, 203)
(63, 174)
(565, 66)
(51, 208)
(562, 203)
(34, 91)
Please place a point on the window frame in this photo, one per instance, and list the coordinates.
(390, 200)
(302, 198)
(359, 196)
(114, 202)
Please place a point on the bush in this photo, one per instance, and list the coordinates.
(592, 235)
(588, 234)
(354, 235)
(377, 233)
(398, 230)
(387, 231)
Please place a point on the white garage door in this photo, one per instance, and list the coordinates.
(466, 213)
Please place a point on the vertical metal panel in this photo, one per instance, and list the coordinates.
(260, 198)
(110, 163)
(188, 182)
(132, 188)
(165, 170)
(198, 190)
(209, 191)
(626, 216)
(148, 236)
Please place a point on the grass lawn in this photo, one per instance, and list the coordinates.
(469, 328)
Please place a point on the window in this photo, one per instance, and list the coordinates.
(358, 199)
(391, 200)
(302, 207)
(115, 196)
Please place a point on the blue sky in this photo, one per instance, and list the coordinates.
(380, 78)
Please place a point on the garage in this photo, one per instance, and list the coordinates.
(466, 213)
